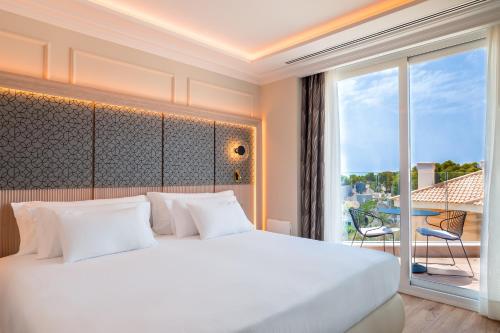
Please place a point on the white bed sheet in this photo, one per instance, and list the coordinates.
(250, 282)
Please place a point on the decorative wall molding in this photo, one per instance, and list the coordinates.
(27, 83)
(83, 17)
(208, 95)
(93, 70)
(27, 55)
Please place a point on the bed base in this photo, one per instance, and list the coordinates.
(387, 318)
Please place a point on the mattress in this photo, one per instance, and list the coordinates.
(249, 282)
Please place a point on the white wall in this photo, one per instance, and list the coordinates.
(40, 50)
(280, 108)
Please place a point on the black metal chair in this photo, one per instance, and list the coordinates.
(370, 225)
(450, 228)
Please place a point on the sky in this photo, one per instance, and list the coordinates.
(447, 114)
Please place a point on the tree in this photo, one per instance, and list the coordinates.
(449, 170)
(414, 178)
(370, 177)
(395, 184)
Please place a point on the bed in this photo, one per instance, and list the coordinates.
(249, 282)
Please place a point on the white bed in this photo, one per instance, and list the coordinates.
(248, 282)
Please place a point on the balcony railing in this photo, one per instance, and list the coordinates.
(438, 192)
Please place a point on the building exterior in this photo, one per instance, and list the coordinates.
(461, 193)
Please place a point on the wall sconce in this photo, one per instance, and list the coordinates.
(240, 150)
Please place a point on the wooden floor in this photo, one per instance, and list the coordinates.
(431, 317)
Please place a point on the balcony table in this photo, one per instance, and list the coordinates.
(415, 267)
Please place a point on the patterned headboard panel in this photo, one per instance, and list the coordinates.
(45, 142)
(188, 151)
(61, 149)
(128, 147)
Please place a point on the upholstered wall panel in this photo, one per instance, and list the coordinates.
(188, 151)
(227, 138)
(128, 147)
(45, 141)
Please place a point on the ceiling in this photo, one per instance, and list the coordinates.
(253, 40)
(250, 29)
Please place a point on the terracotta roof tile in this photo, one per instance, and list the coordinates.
(466, 189)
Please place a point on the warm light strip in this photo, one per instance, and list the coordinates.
(124, 107)
(264, 174)
(172, 28)
(254, 176)
(339, 23)
(343, 22)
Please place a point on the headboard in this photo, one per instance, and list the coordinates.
(59, 148)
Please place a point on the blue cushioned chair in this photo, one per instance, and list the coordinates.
(450, 229)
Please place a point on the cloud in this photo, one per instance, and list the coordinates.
(447, 108)
(449, 85)
(365, 91)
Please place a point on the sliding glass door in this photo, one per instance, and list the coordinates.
(447, 99)
(412, 151)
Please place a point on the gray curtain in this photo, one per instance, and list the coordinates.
(311, 156)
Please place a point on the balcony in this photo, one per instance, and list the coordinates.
(434, 196)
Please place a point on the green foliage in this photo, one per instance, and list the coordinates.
(368, 206)
(395, 185)
(414, 178)
(370, 177)
(449, 170)
(377, 182)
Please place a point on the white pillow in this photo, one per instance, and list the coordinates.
(161, 208)
(183, 221)
(27, 228)
(90, 234)
(219, 218)
(47, 234)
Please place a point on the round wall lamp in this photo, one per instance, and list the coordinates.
(240, 150)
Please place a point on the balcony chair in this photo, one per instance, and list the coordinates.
(449, 229)
(369, 225)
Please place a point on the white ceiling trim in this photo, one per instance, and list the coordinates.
(85, 18)
(90, 19)
(169, 29)
(361, 12)
(466, 22)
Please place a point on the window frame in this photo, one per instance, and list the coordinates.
(401, 59)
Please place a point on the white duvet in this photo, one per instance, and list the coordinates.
(249, 282)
